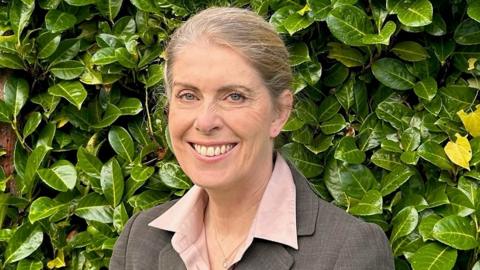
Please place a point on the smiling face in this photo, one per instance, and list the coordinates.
(222, 118)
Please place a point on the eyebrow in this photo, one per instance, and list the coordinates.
(222, 88)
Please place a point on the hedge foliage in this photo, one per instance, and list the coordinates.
(386, 123)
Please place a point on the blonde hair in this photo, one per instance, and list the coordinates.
(245, 32)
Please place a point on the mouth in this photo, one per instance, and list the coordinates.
(212, 150)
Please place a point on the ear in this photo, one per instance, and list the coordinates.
(283, 108)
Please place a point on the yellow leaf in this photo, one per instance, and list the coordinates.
(58, 262)
(471, 121)
(471, 63)
(459, 152)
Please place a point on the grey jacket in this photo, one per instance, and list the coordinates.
(328, 238)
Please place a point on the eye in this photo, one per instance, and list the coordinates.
(236, 97)
(186, 96)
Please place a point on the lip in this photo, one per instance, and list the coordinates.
(214, 158)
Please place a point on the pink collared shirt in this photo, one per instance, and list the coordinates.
(274, 221)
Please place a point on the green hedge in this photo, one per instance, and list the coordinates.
(385, 123)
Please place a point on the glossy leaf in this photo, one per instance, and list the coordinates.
(333, 125)
(121, 142)
(349, 24)
(24, 242)
(32, 123)
(426, 88)
(404, 222)
(466, 33)
(393, 73)
(412, 13)
(473, 10)
(348, 151)
(61, 176)
(370, 204)
(72, 91)
(47, 44)
(67, 70)
(16, 94)
(434, 256)
(457, 232)
(43, 207)
(396, 178)
(111, 179)
(109, 8)
(459, 152)
(57, 21)
(304, 160)
(94, 207)
(410, 51)
(172, 176)
(471, 121)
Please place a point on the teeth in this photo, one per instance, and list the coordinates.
(211, 151)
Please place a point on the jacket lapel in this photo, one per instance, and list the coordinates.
(307, 204)
(266, 256)
(168, 259)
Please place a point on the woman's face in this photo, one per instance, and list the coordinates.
(222, 118)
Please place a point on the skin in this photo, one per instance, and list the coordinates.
(218, 98)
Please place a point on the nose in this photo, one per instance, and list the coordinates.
(208, 119)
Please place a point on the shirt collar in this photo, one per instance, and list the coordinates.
(275, 219)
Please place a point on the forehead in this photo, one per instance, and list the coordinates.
(204, 62)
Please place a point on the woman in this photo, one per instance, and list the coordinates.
(227, 81)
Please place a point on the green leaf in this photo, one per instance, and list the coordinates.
(43, 207)
(346, 55)
(412, 13)
(304, 160)
(62, 176)
(383, 37)
(111, 115)
(47, 44)
(12, 61)
(347, 180)
(320, 9)
(16, 93)
(67, 49)
(434, 256)
(47, 101)
(19, 16)
(426, 88)
(57, 21)
(438, 27)
(333, 125)
(426, 226)
(335, 75)
(32, 123)
(433, 153)
(111, 179)
(296, 22)
(395, 113)
(320, 143)
(410, 139)
(120, 217)
(67, 70)
(345, 95)
(396, 178)
(29, 265)
(385, 159)
(404, 222)
(370, 204)
(473, 10)
(155, 75)
(349, 24)
(145, 5)
(5, 112)
(410, 51)
(121, 142)
(347, 151)
(435, 194)
(299, 54)
(443, 49)
(109, 8)
(141, 173)
(26, 239)
(89, 163)
(328, 108)
(94, 207)
(80, 2)
(148, 199)
(72, 91)
(104, 56)
(130, 106)
(393, 73)
(33, 163)
(457, 232)
(172, 175)
(467, 32)
(125, 58)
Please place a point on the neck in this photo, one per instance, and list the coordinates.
(232, 209)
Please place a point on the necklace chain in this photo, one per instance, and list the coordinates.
(226, 259)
